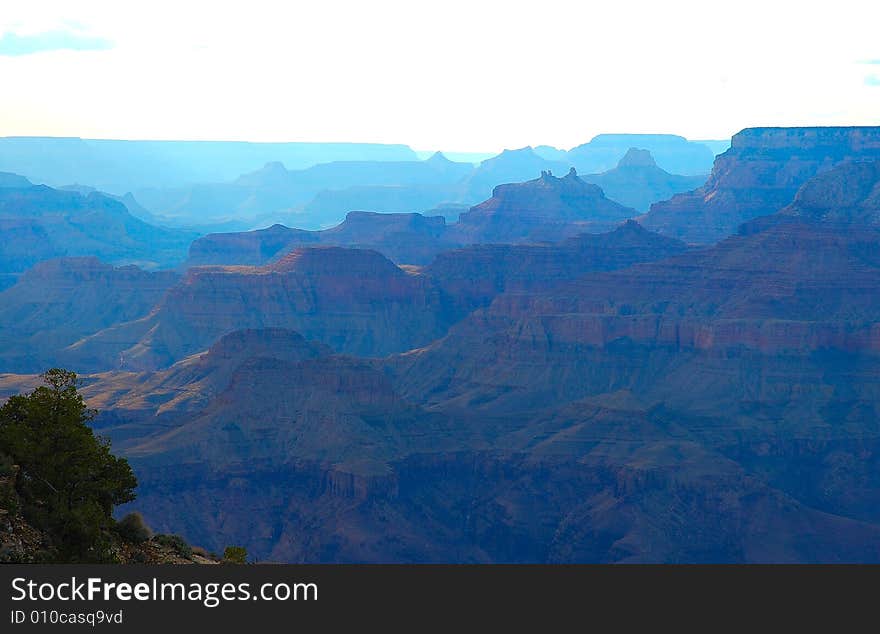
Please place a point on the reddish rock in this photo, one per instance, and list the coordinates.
(801, 284)
(355, 301)
(547, 208)
(476, 274)
(58, 302)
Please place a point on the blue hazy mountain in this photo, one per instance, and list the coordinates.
(717, 146)
(275, 193)
(511, 166)
(212, 185)
(638, 182)
(551, 153)
(475, 184)
(435, 170)
(327, 206)
(118, 166)
(459, 157)
(38, 223)
(14, 181)
(546, 209)
(673, 153)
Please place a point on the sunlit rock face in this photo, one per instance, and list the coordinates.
(356, 301)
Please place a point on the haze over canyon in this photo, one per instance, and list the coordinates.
(641, 349)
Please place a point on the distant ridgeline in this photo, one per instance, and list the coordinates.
(313, 185)
(119, 166)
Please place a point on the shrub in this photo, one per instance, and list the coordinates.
(132, 528)
(176, 543)
(235, 555)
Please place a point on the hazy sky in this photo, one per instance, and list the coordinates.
(455, 75)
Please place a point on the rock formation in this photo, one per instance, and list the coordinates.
(355, 301)
(404, 238)
(547, 208)
(58, 302)
(474, 275)
(543, 209)
(757, 176)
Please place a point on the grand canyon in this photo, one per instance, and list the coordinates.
(624, 352)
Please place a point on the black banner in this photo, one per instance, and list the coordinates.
(275, 598)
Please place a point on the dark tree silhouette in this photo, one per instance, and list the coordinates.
(68, 481)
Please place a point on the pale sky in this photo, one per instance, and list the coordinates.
(458, 75)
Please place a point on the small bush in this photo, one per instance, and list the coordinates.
(132, 528)
(235, 555)
(176, 543)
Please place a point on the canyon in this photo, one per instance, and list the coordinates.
(552, 378)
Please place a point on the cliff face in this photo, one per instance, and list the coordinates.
(797, 285)
(316, 457)
(796, 289)
(355, 301)
(758, 175)
(474, 275)
(848, 194)
(477, 508)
